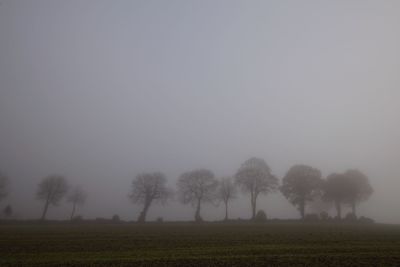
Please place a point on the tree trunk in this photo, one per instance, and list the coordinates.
(226, 210)
(197, 216)
(142, 216)
(353, 206)
(73, 211)
(253, 208)
(339, 209)
(46, 206)
(302, 208)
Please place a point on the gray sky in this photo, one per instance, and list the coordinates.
(102, 90)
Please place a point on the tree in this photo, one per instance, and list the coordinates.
(148, 188)
(300, 185)
(196, 187)
(3, 186)
(51, 190)
(254, 177)
(335, 189)
(226, 192)
(77, 197)
(359, 188)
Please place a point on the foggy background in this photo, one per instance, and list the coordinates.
(100, 91)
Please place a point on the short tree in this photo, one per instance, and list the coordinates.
(300, 185)
(254, 177)
(226, 192)
(148, 188)
(51, 190)
(77, 197)
(196, 187)
(359, 188)
(3, 186)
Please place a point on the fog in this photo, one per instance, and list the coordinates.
(100, 91)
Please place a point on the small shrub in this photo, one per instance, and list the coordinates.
(351, 217)
(311, 217)
(160, 220)
(366, 220)
(324, 216)
(77, 218)
(115, 218)
(261, 216)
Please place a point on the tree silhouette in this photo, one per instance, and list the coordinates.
(51, 190)
(226, 192)
(196, 187)
(148, 188)
(300, 185)
(77, 197)
(254, 177)
(359, 188)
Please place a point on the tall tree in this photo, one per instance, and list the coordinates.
(254, 177)
(226, 192)
(336, 190)
(77, 197)
(3, 186)
(148, 188)
(359, 188)
(196, 187)
(300, 185)
(51, 190)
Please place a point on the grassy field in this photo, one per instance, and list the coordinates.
(185, 244)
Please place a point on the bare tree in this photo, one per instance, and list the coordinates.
(254, 177)
(77, 197)
(3, 186)
(51, 190)
(359, 188)
(336, 190)
(196, 187)
(300, 185)
(226, 192)
(148, 188)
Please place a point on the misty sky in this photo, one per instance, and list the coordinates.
(100, 91)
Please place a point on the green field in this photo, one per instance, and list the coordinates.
(212, 244)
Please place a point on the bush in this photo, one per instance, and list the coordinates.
(77, 218)
(324, 216)
(115, 218)
(261, 216)
(351, 217)
(160, 220)
(311, 217)
(366, 220)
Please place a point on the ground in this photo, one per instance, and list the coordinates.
(208, 244)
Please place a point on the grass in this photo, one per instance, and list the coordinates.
(212, 244)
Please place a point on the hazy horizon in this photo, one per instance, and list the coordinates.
(100, 91)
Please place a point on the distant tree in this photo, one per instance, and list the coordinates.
(8, 211)
(300, 185)
(196, 187)
(359, 188)
(226, 192)
(51, 190)
(148, 188)
(77, 197)
(3, 186)
(336, 190)
(254, 177)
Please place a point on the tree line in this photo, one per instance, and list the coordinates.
(301, 186)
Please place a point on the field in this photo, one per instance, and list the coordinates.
(212, 244)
